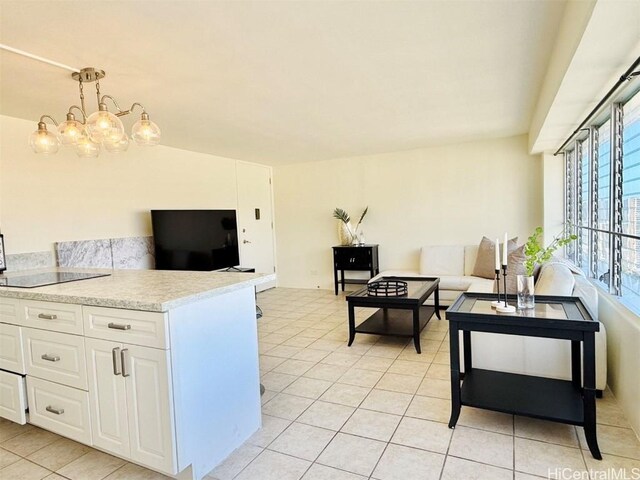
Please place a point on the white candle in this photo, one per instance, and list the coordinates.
(504, 250)
(497, 254)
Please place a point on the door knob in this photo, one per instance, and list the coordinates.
(246, 241)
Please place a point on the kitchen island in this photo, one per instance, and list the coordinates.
(157, 367)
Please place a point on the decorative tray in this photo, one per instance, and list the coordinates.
(387, 288)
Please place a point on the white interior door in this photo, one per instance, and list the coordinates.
(255, 217)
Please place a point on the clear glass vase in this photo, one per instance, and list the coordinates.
(526, 297)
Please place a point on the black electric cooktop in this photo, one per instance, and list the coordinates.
(46, 278)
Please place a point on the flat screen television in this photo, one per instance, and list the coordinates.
(195, 239)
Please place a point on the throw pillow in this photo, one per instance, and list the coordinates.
(515, 267)
(486, 260)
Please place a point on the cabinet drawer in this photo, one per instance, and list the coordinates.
(9, 310)
(58, 357)
(61, 409)
(353, 258)
(148, 329)
(13, 398)
(60, 317)
(11, 352)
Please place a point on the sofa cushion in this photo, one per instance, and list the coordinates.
(482, 285)
(588, 292)
(486, 260)
(447, 297)
(555, 279)
(441, 260)
(395, 273)
(455, 282)
(470, 256)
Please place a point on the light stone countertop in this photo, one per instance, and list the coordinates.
(150, 290)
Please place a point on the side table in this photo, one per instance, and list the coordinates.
(565, 401)
(354, 258)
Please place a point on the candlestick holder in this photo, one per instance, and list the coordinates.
(498, 302)
(504, 307)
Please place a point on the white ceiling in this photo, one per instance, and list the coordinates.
(599, 56)
(285, 81)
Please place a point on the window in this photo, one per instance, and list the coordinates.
(570, 201)
(583, 206)
(602, 201)
(631, 201)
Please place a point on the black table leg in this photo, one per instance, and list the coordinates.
(589, 394)
(576, 364)
(466, 348)
(436, 302)
(352, 323)
(342, 274)
(335, 278)
(416, 328)
(455, 373)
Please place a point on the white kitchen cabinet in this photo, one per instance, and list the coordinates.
(59, 408)
(56, 357)
(54, 316)
(131, 402)
(13, 397)
(11, 353)
(107, 396)
(158, 368)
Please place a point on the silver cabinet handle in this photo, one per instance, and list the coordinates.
(57, 411)
(47, 316)
(115, 355)
(50, 358)
(119, 326)
(124, 355)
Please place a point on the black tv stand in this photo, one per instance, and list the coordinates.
(237, 269)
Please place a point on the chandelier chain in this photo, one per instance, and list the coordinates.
(98, 89)
(81, 87)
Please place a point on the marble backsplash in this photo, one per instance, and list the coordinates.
(130, 252)
(119, 253)
(27, 261)
(84, 253)
(133, 252)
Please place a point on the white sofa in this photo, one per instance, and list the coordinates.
(509, 353)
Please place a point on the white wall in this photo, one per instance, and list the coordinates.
(44, 199)
(623, 361)
(553, 196)
(445, 195)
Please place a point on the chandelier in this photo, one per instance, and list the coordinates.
(101, 129)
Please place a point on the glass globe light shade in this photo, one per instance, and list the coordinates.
(118, 146)
(71, 130)
(44, 141)
(102, 125)
(86, 148)
(144, 132)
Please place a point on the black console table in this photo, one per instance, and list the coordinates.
(351, 258)
(565, 401)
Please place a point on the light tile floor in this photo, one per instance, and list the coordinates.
(375, 410)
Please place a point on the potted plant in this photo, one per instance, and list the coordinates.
(536, 254)
(346, 233)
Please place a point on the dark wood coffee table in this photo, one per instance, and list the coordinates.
(403, 316)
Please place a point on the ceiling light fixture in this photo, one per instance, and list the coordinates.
(100, 129)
